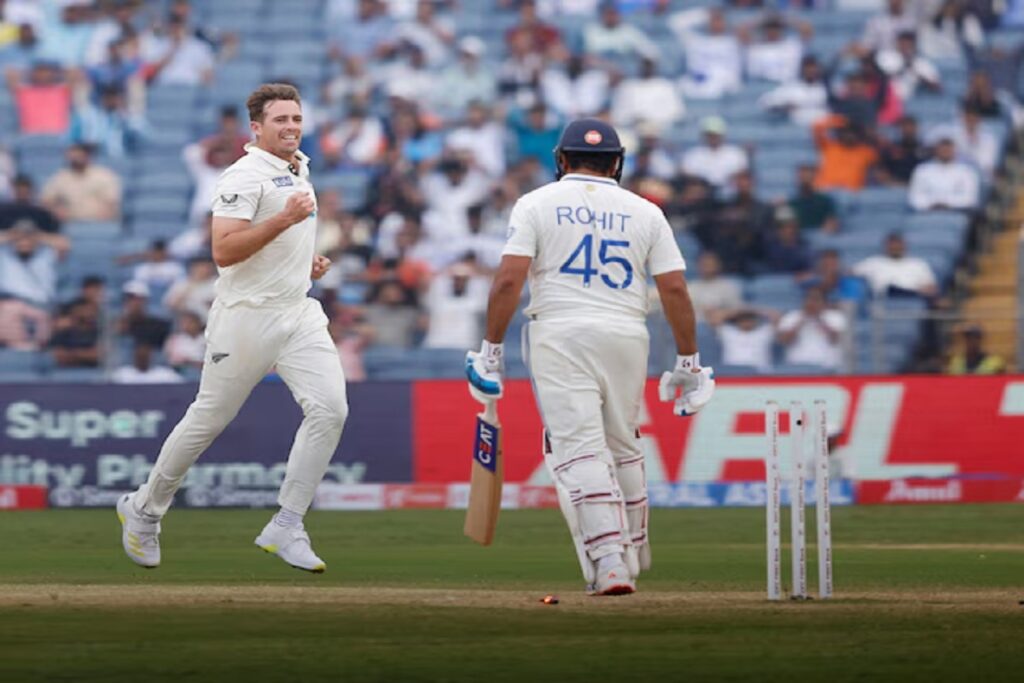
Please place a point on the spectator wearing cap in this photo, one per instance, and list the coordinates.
(135, 321)
(23, 208)
(648, 99)
(28, 264)
(715, 161)
(971, 358)
(944, 183)
(467, 80)
(713, 294)
(775, 56)
(610, 36)
(747, 337)
(714, 62)
(812, 334)
(83, 191)
(846, 156)
(76, 339)
(109, 125)
(901, 156)
(455, 305)
(43, 101)
(804, 100)
(973, 142)
(784, 248)
(907, 68)
(893, 272)
(815, 210)
(143, 371)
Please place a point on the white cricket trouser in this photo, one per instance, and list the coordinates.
(243, 344)
(589, 380)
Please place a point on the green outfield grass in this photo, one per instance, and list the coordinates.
(922, 593)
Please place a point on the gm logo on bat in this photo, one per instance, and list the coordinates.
(486, 447)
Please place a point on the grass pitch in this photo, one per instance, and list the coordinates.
(922, 593)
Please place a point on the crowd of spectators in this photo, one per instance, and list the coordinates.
(449, 130)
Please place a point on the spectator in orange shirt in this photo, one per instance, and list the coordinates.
(846, 155)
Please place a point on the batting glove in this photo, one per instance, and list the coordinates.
(484, 371)
(697, 385)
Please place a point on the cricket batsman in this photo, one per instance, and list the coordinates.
(588, 247)
(264, 228)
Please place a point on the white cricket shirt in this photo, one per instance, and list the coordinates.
(254, 188)
(593, 246)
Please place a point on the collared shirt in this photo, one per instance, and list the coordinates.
(593, 246)
(935, 185)
(255, 188)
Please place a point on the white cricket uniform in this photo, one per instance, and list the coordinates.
(261, 320)
(593, 246)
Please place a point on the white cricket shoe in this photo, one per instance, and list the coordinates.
(616, 580)
(140, 534)
(292, 545)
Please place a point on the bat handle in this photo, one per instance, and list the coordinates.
(491, 411)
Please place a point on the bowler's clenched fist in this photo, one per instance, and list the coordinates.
(321, 264)
(298, 207)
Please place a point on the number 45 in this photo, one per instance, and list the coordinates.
(586, 249)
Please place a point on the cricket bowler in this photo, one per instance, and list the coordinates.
(588, 247)
(264, 228)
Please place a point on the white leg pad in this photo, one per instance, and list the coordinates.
(633, 482)
(597, 499)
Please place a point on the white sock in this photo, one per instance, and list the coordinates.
(609, 561)
(288, 518)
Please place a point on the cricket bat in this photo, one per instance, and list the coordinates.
(486, 478)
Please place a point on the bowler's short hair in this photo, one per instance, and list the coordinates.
(267, 93)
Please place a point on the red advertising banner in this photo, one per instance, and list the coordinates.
(884, 428)
(22, 497)
(898, 491)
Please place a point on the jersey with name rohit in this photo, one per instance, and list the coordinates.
(255, 188)
(593, 246)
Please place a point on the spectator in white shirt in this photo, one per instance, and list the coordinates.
(714, 64)
(647, 99)
(142, 370)
(747, 339)
(611, 37)
(974, 143)
(430, 33)
(358, 140)
(805, 99)
(775, 56)
(813, 334)
(28, 263)
(411, 79)
(177, 58)
(907, 69)
(449, 193)
(881, 30)
(715, 161)
(897, 272)
(481, 140)
(575, 90)
(455, 306)
(944, 182)
(467, 80)
(186, 346)
(205, 163)
(158, 270)
(713, 294)
(193, 292)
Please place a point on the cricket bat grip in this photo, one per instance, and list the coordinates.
(491, 412)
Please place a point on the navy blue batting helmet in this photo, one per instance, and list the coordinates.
(590, 136)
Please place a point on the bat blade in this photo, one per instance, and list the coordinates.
(486, 478)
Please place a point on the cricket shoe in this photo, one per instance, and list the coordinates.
(615, 580)
(292, 545)
(140, 534)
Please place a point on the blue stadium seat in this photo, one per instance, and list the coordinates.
(76, 230)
